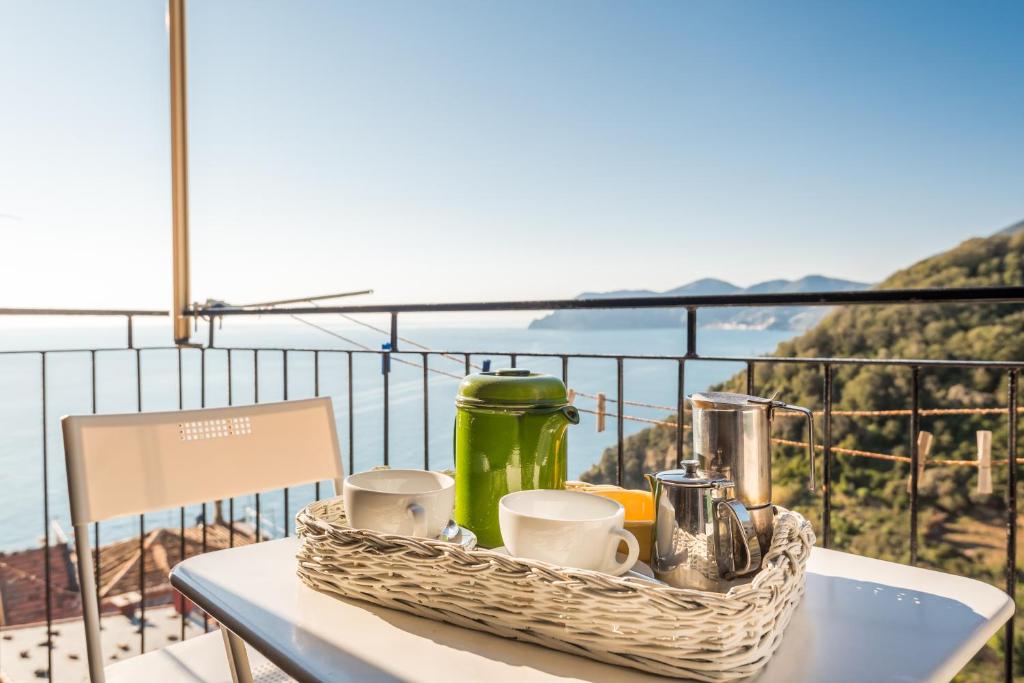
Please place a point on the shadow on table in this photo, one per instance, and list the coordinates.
(855, 630)
(511, 652)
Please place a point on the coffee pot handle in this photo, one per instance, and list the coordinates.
(809, 417)
(734, 514)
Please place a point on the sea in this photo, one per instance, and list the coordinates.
(125, 380)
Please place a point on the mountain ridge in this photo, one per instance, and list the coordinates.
(778, 318)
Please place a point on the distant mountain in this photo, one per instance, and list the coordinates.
(1011, 229)
(778, 318)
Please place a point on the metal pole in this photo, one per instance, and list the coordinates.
(915, 428)
(826, 521)
(179, 172)
(1011, 518)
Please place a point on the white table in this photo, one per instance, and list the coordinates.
(860, 620)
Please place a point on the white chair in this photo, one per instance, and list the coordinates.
(140, 462)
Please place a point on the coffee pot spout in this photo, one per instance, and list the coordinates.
(572, 414)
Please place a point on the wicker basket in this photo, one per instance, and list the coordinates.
(624, 621)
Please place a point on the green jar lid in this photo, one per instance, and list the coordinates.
(511, 387)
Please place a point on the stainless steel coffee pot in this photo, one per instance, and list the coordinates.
(732, 440)
(702, 536)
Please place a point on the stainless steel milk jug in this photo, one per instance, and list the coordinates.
(703, 538)
(732, 440)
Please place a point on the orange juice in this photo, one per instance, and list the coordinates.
(639, 507)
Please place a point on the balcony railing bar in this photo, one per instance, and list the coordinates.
(284, 379)
(826, 526)
(46, 528)
(256, 399)
(231, 402)
(905, 362)
(95, 525)
(915, 428)
(385, 371)
(426, 410)
(680, 407)
(1011, 517)
(316, 393)
(92, 312)
(620, 467)
(351, 420)
(142, 520)
(972, 295)
(202, 404)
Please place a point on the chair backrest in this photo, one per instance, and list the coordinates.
(138, 462)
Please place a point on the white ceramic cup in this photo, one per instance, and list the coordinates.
(407, 502)
(567, 528)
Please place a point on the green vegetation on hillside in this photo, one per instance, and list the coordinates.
(961, 531)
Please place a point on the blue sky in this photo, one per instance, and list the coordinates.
(455, 151)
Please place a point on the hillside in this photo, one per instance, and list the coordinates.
(778, 318)
(961, 531)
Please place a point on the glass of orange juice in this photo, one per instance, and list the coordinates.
(639, 507)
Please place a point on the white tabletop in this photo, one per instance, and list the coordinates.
(860, 620)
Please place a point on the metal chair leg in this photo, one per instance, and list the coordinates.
(238, 658)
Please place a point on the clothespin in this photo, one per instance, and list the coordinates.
(924, 446)
(385, 358)
(572, 396)
(487, 365)
(600, 412)
(984, 461)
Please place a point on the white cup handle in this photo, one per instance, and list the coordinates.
(419, 519)
(620, 568)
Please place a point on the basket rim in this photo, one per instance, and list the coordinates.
(783, 561)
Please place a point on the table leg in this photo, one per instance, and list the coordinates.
(238, 658)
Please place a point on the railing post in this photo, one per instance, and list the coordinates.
(95, 525)
(826, 524)
(915, 427)
(750, 378)
(284, 370)
(680, 407)
(691, 332)
(620, 409)
(231, 501)
(351, 422)
(426, 411)
(1011, 518)
(385, 370)
(256, 399)
(316, 392)
(48, 588)
(394, 330)
(142, 520)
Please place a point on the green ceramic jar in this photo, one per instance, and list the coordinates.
(510, 435)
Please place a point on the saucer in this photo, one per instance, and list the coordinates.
(640, 570)
(453, 533)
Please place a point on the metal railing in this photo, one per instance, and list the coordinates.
(422, 358)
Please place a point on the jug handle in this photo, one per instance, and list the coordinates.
(735, 513)
(809, 418)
